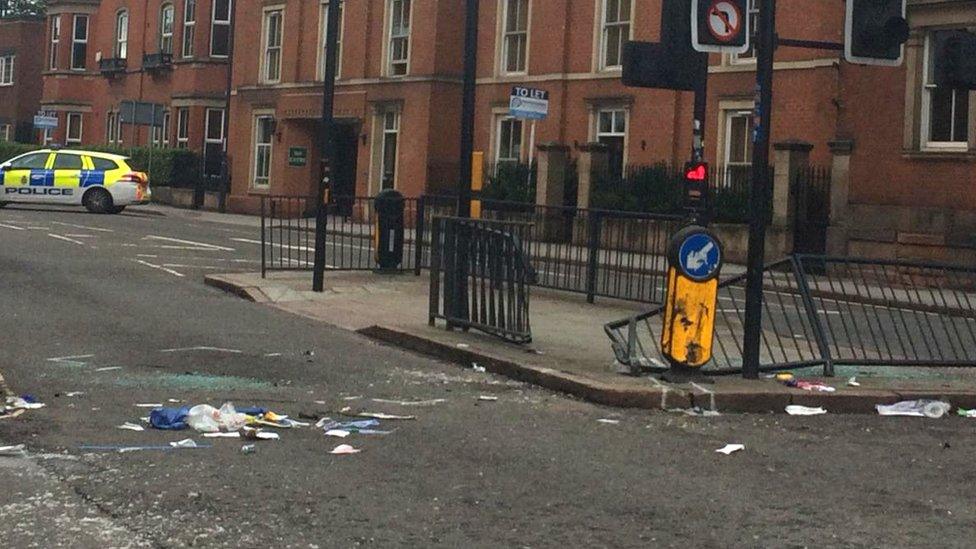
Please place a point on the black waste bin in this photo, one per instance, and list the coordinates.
(388, 238)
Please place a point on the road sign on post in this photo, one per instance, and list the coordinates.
(875, 32)
(720, 26)
(45, 120)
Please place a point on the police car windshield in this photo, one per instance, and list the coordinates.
(34, 161)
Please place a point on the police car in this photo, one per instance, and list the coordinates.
(101, 182)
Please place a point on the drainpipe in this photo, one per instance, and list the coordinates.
(225, 177)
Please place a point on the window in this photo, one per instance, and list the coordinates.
(160, 134)
(515, 38)
(166, 28)
(67, 162)
(508, 146)
(615, 32)
(79, 43)
(213, 142)
(220, 29)
(737, 156)
(749, 56)
(36, 161)
(7, 70)
(5, 132)
(324, 30)
(55, 41)
(945, 111)
(189, 27)
(113, 128)
(73, 132)
(399, 37)
(182, 128)
(121, 34)
(272, 46)
(48, 136)
(611, 130)
(103, 164)
(388, 158)
(263, 139)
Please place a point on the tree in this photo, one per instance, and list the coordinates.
(22, 8)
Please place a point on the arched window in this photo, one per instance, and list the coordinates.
(166, 28)
(121, 34)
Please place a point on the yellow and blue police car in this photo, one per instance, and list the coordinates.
(101, 182)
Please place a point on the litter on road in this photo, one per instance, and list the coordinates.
(13, 451)
(797, 410)
(609, 421)
(810, 386)
(479, 369)
(185, 443)
(915, 408)
(853, 382)
(149, 405)
(431, 402)
(339, 433)
(362, 427)
(235, 434)
(485, 398)
(344, 449)
(380, 415)
(249, 448)
(729, 449)
(108, 369)
(696, 411)
(129, 426)
(966, 413)
(21, 403)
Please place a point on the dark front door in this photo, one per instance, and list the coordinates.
(811, 192)
(344, 170)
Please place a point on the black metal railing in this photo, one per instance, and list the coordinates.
(823, 311)
(480, 276)
(157, 61)
(112, 66)
(287, 233)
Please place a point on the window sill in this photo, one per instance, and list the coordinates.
(260, 189)
(940, 155)
(6, 85)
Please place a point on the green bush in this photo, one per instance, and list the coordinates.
(9, 149)
(510, 181)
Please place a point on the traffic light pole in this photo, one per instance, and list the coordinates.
(467, 107)
(328, 141)
(759, 194)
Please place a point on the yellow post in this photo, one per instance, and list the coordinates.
(477, 181)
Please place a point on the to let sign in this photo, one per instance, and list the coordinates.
(529, 103)
(297, 156)
(44, 121)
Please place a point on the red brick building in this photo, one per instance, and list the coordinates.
(21, 61)
(172, 53)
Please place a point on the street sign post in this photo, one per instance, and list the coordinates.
(695, 261)
(720, 26)
(45, 120)
(529, 104)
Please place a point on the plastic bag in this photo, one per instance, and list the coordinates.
(207, 419)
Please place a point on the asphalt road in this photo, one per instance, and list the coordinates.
(113, 312)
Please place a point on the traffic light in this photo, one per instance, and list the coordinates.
(875, 32)
(671, 64)
(696, 185)
(720, 26)
(955, 59)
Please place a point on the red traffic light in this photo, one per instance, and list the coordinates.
(696, 172)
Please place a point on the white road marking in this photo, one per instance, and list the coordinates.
(201, 348)
(146, 255)
(60, 358)
(83, 227)
(160, 267)
(81, 235)
(188, 242)
(12, 227)
(179, 266)
(271, 355)
(277, 244)
(66, 239)
(108, 368)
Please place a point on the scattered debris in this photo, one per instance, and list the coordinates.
(479, 369)
(20, 403)
(173, 419)
(249, 448)
(131, 426)
(207, 419)
(74, 394)
(966, 413)
(344, 449)
(357, 397)
(486, 398)
(784, 376)
(235, 434)
(185, 443)
(431, 402)
(10, 414)
(339, 433)
(915, 408)
(149, 405)
(174, 400)
(463, 346)
(810, 385)
(696, 411)
(853, 382)
(257, 434)
(362, 427)
(609, 421)
(797, 410)
(13, 451)
(729, 449)
(380, 415)
(108, 368)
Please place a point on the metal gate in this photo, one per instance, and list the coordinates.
(810, 186)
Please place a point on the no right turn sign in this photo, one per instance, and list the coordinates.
(720, 26)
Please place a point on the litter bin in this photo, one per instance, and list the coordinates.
(388, 236)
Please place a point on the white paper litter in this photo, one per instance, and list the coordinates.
(915, 408)
(74, 393)
(185, 443)
(344, 449)
(13, 451)
(729, 449)
(479, 369)
(108, 369)
(267, 435)
(19, 403)
(149, 405)
(337, 433)
(430, 402)
(380, 415)
(609, 421)
(853, 382)
(129, 426)
(235, 434)
(797, 410)
(485, 398)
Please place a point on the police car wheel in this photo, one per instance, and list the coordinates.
(97, 200)
(4, 204)
(116, 209)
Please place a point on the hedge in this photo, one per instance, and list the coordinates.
(168, 167)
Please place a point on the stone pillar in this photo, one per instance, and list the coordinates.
(592, 165)
(552, 161)
(789, 156)
(840, 192)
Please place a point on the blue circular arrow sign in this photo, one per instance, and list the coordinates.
(699, 256)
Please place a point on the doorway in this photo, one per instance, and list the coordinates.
(344, 171)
